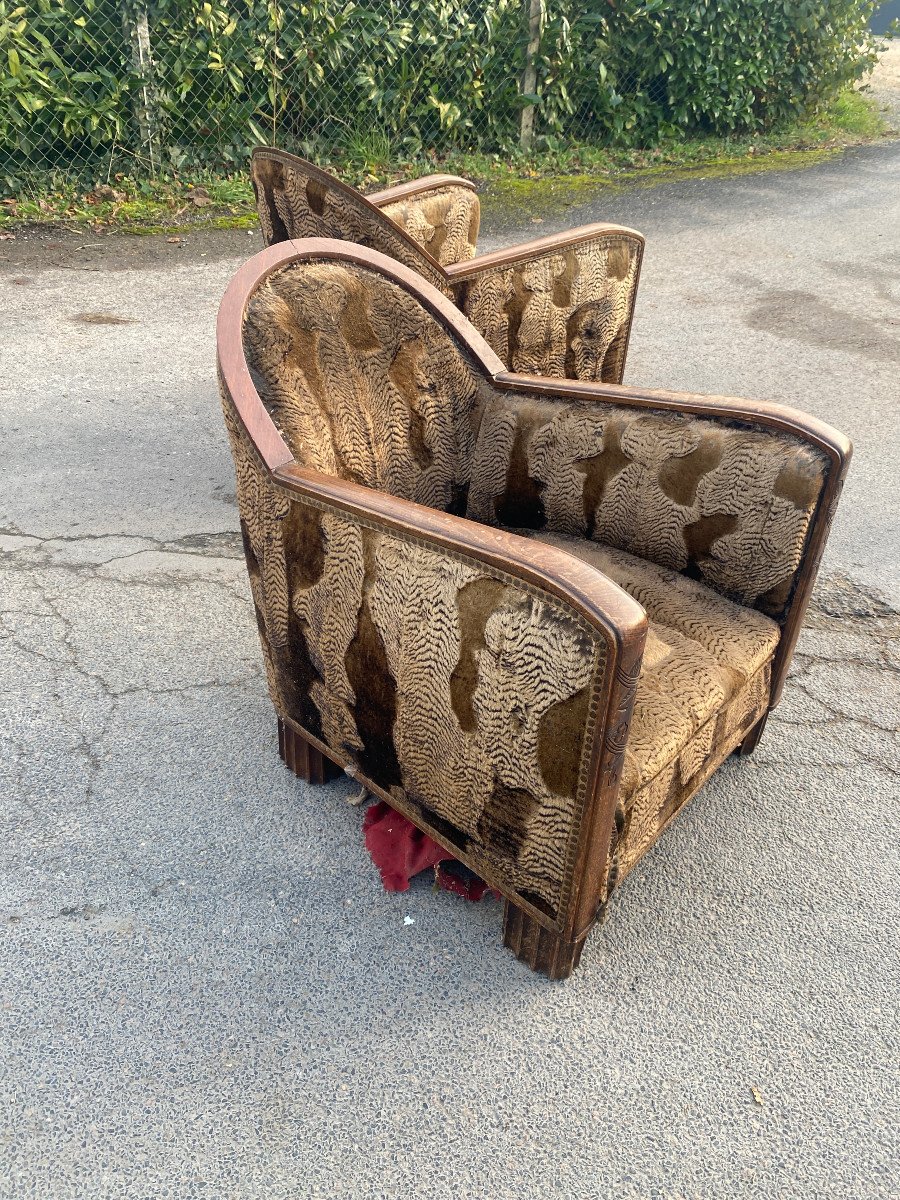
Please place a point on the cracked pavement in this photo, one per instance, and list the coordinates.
(204, 990)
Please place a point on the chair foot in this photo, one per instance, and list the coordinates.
(305, 760)
(751, 739)
(539, 948)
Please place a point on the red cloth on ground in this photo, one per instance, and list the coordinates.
(399, 850)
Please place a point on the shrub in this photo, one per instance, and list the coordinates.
(656, 68)
(362, 77)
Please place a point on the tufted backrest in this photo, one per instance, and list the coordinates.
(363, 382)
(444, 221)
(295, 199)
(725, 503)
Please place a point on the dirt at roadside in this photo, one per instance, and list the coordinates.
(38, 247)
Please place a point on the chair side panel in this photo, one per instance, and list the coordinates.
(463, 696)
(643, 815)
(564, 313)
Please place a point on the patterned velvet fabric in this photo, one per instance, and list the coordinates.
(726, 504)
(444, 221)
(468, 698)
(565, 314)
(300, 204)
(462, 694)
(704, 682)
(364, 384)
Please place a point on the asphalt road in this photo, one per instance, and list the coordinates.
(204, 992)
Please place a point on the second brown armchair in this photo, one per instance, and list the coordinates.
(560, 306)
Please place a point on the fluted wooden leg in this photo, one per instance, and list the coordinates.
(304, 759)
(751, 739)
(537, 947)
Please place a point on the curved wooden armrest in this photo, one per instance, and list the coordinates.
(553, 243)
(418, 187)
(590, 593)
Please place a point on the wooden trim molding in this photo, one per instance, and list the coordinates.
(418, 187)
(554, 243)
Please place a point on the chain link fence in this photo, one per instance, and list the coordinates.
(92, 87)
(96, 85)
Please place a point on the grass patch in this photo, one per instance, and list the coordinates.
(144, 206)
(176, 204)
(853, 118)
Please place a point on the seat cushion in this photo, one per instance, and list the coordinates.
(704, 680)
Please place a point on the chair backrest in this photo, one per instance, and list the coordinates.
(443, 218)
(726, 503)
(363, 383)
(296, 199)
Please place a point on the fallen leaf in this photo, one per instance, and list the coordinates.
(102, 318)
(174, 241)
(200, 196)
(104, 192)
(757, 1094)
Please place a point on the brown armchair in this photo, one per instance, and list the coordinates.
(532, 615)
(560, 306)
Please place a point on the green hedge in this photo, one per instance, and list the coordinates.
(414, 74)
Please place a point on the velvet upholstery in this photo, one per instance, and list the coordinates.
(450, 686)
(303, 201)
(566, 313)
(365, 385)
(730, 505)
(443, 220)
(703, 685)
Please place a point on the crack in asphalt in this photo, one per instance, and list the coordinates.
(209, 545)
(839, 604)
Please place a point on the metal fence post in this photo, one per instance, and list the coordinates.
(534, 12)
(146, 106)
